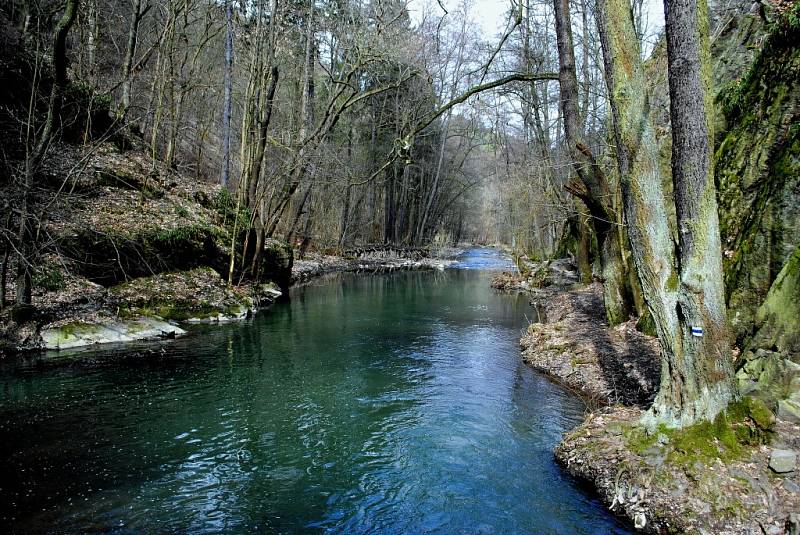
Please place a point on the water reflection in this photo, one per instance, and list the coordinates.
(386, 404)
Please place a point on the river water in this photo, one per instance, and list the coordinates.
(366, 404)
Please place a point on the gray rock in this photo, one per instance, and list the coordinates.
(782, 461)
(793, 524)
(86, 334)
(791, 486)
(789, 410)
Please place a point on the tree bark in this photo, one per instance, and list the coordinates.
(696, 371)
(228, 99)
(701, 383)
(130, 51)
(593, 189)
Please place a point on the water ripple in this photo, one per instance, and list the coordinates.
(392, 404)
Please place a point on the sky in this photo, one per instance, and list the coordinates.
(491, 17)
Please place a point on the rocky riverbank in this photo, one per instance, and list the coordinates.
(82, 313)
(375, 259)
(737, 475)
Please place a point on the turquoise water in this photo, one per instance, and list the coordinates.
(366, 404)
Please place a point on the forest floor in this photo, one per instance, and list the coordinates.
(737, 475)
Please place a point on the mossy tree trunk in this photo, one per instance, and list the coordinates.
(702, 381)
(683, 291)
(593, 187)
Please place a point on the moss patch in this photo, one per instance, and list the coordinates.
(180, 296)
(744, 424)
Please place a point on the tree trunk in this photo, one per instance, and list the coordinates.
(266, 118)
(580, 233)
(696, 379)
(345, 217)
(127, 64)
(593, 188)
(91, 41)
(4, 276)
(228, 100)
(701, 382)
(307, 152)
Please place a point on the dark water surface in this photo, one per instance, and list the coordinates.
(381, 404)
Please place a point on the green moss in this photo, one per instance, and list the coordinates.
(226, 206)
(757, 164)
(233, 310)
(181, 211)
(672, 281)
(646, 324)
(75, 329)
(705, 442)
(169, 310)
(744, 424)
(198, 293)
(639, 439)
(179, 235)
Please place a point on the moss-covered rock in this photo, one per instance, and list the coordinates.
(758, 173)
(108, 257)
(276, 263)
(778, 318)
(80, 334)
(196, 295)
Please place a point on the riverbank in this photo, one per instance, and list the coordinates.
(737, 475)
(82, 313)
(372, 259)
(136, 250)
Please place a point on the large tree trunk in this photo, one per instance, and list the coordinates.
(593, 189)
(701, 383)
(696, 371)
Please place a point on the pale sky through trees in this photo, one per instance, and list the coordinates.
(491, 14)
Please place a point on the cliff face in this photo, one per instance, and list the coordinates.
(758, 174)
(758, 180)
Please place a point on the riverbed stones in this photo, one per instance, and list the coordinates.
(782, 461)
(791, 486)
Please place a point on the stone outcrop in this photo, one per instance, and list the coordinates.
(78, 334)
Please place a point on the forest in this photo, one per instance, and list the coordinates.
(172, 161)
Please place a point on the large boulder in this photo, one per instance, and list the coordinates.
(277, 259)
(192, 296)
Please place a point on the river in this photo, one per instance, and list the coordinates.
(366, 404)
